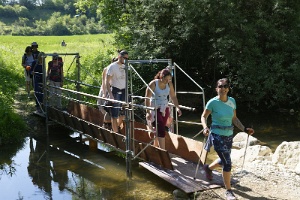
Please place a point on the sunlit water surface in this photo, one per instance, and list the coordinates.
(62, 167)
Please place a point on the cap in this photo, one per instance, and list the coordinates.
(123, 52)
(34, 44)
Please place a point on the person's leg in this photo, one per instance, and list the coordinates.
(121, 111)
(115, 110)
(39, 89)
(55, 97)
(226, 163)
(161, 142)
(37, 93)
(59, 92)
(161, 123)
(114, 124)
(51, 93)
(27, 82)
(101, 102)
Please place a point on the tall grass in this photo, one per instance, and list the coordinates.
(95, 53)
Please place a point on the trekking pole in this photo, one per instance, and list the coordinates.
(245, 151)
(204, 141)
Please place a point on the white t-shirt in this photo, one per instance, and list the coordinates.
(28, 60)
(118, 75)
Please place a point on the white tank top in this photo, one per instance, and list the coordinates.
(161, 96)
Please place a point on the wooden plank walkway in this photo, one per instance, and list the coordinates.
(176, 164)
(183, 174)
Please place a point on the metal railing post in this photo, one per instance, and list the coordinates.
(127, 126)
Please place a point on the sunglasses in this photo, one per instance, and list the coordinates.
(223, 86)
(125, 57)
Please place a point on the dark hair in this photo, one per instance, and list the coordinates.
(54, 56)
(27, 49)
(163, 73)
(114, 59)
(222, 80)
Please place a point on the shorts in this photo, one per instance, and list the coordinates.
(119, 94)
(222, 143)
(162, 122)
(27, 75)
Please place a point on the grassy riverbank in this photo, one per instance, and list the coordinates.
(95, 53)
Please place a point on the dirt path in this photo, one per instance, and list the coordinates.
(261, 180)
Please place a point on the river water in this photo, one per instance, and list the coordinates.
(61, 166)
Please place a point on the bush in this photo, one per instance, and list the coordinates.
(12, 126)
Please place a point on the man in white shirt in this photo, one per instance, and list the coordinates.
(115, 85)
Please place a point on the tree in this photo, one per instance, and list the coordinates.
(253, 43)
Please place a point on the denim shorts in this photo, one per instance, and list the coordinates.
(119, 94)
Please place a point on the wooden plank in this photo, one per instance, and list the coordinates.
(121, 143)
(77, 124)
(86, 127)
(173, 177)
(185, 147)
(157, 155)
(96, 132)
(69, 121)
(165, 158)
(183, 175)
(109, 138)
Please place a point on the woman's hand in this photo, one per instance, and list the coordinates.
(148, 117)
(249, 131)
(179, 112)
(206, 131)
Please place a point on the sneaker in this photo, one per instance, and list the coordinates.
(229, 195)
(208, 172)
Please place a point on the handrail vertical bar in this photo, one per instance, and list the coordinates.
(78, 75)
(127, 127)
(45, 96)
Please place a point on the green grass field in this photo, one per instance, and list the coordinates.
(95, 53)
(12, 47)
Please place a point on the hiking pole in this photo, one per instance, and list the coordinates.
(245, 150)
(204, 141)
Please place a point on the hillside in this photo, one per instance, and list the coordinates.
(47, 20)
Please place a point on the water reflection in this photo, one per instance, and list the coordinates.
(63, 168)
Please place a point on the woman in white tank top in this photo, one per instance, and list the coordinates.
(157, 96)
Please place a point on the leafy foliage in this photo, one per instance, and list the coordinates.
(253, 43)
(12, 126)
(59, 19)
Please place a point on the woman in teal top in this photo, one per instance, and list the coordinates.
(222, 108)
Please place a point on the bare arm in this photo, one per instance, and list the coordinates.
(107, 85)
(23, 62)
(204, 117)
(48, 71)
(147, 100)
(103, 86)
(239, 124)
(174, 98)
(149, 94)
